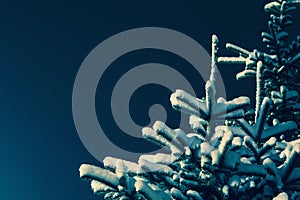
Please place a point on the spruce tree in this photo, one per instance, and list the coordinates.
(235, 151)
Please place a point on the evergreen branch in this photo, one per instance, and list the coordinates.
(288, 166)
(130, 168)
(194, 195)
(261, 117)
(267, 146)
(99, 187)
(177, 194)
(285, 127)
(259, 89)
(143, 188)
(249, 130)
(209, 97)
(214, 58)
(151, 135)
(245, 74)
(104, 176)
(232, 60)
(273, 170)
(243, 52)
(251, 169)
(249, 142)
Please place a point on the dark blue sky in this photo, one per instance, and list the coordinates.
(42, 45)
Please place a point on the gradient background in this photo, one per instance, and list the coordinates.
(42, 45)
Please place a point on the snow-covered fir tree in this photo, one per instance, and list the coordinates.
(253, 153)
